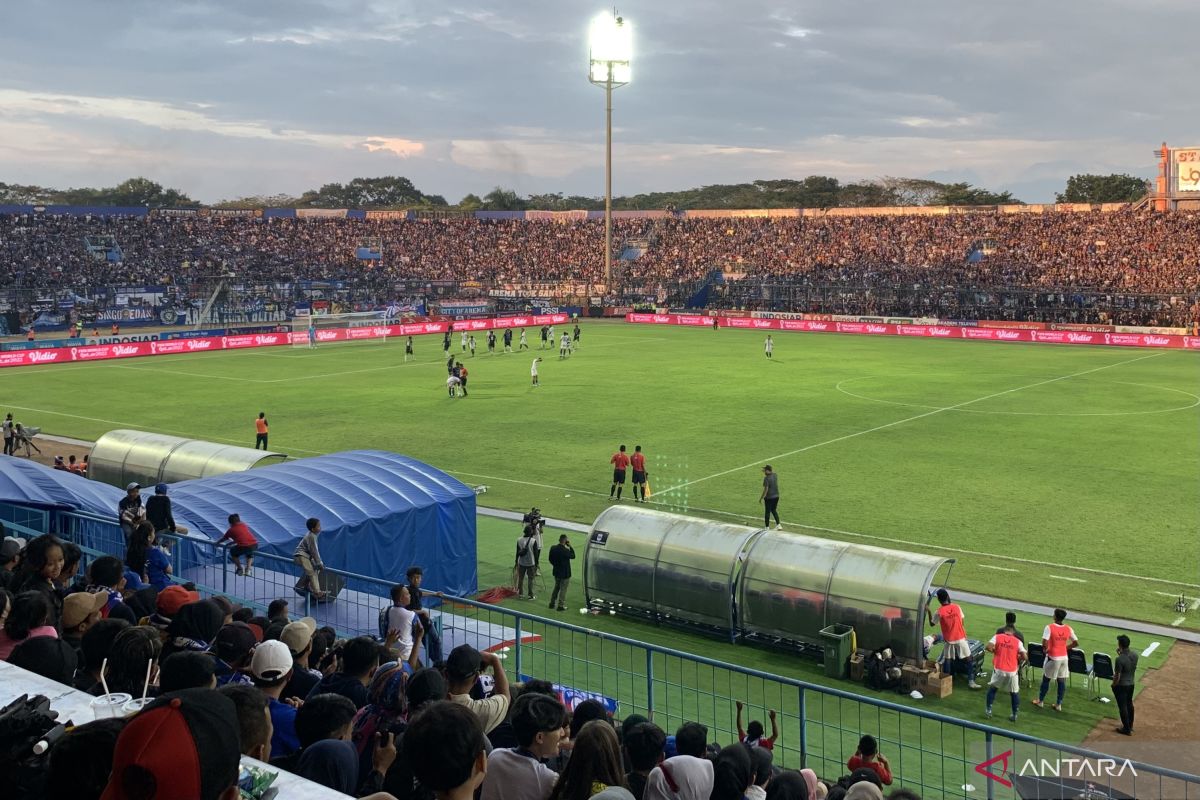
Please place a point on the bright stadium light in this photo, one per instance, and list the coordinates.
(610, 54)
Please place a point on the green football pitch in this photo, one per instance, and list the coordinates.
(1064, 475)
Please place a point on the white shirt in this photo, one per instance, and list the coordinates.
(693, 776)
(401, 619)
(769, 344)
(533, 369)
(513, 776)
(522, 336)
(566, 341)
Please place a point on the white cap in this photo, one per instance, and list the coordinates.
(271, 660)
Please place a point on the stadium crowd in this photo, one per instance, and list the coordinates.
(1120, 252)
(359, 716)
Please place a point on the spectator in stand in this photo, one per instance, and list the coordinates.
(761, 764)
(867, 756)
(688, 775)
(10, 554)
(167, 604)
(244, 544)
(233, 646)
(789, 785)
(28, 617)
(277, 611)
(76, 466)
(431, 637)
(193, 627)
(6, 604)
(334, 764)
(187, 669)
(644, 746)
(81, 610)
(46, 656)
(399, 621)
(308, 558)
(159, 514)
(79, 763)
(448, 751)
(733, 773)
(68, 577)
(271, 667)
(133, 656)
(255, 728)
(130, 509)
(182, 745)
(41, 564)
(107, 574)
(95, 646)
(594, 769)
(359, 659)
(299, 636)
(463, 667)
(520, 773)
(138, 547)
(753, 735)
(227, 608)
(385, 714)
(323, 716)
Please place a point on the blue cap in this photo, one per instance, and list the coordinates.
(160, 488)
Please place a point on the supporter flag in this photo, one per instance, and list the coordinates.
(647, 485)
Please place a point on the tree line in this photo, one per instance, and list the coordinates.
(395, 192)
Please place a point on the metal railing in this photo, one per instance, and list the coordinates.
(819, 726)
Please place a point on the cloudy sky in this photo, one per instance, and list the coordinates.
(226, 99)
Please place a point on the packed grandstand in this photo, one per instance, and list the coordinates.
(1100, 266)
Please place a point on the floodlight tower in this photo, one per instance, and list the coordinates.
(610, 51)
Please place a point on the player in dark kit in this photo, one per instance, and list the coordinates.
(450, 366)
(408, 349)
(491, 341)
(638, 461)
(619, 461)
(545, 336)
(575, 335)
(446, 342)
(508, 340)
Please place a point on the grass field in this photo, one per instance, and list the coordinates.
(1063, 475)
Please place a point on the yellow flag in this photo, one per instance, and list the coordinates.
(646, 486)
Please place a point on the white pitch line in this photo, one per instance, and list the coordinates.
(185, 374)
(1153, 646)
(1065, 578)
(1178, 622)
(1002, 569)
(903, 421)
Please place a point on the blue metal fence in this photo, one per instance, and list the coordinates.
(819, 726)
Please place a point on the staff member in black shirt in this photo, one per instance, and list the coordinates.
(561, 556)
(1122, 684)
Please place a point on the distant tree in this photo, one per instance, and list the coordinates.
(964, 194)
(389, 191)
(501, 199)
(1104, 189)
(25, 195)
(259, 201)
(470, 202)
(867, 194)
(133, 192)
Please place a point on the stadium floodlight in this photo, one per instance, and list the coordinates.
(610, 55)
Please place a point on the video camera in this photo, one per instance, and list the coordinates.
(534, 517)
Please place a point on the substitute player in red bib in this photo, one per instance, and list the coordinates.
(620, 462)
(1008, 653)
(638, 461)
(1057, 639)
(958, 653)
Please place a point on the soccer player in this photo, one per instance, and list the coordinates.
(768, 345)
(1057, 639)
(957, 653)
(471, 344)
(462, 377)
(312, 334)
(564, 346)
(543, 344)
(533, 369)
(1008, 653)
(446, 342)
(638, 460)
(716, 324)
(260, 427)
(619, 461)
(770, 497)
(452, 384)
(450, 365)
(491, 341)
(524, 345)
(551, 332)
(575, 334)
(508, 340)
(408, 349)
(464, 341)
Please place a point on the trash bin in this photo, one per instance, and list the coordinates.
(836, 640)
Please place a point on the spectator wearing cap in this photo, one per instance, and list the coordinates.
(233, 647)
(360, 657)
(28, 617)
(79, 763)
(81, 610)
(193, 627)
(107, 574)
(448, 750)
(168, 602)
(46, 656)
(130, 509)
(60, 463)
(540, 724)
(10, 556)
(463, 667)
(158, 512)
(255, 728)
(187, 669)
(270, 668)
(95, 646)
(182, 745)
(133, 655)
(298, 636)
(244, 544)
(864, 785)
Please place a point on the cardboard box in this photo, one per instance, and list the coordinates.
(857, 662)
(912, 678)
(938, 685)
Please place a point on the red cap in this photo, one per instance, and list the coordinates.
(173, 598)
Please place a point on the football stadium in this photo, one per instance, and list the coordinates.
(750, 491)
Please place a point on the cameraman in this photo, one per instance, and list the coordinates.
(561, 556)
(536, 522)
(526, 563)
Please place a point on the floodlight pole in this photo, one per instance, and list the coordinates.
(608, 90)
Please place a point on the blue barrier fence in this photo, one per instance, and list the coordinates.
(931, 753)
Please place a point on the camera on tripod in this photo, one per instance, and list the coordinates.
(534, 519)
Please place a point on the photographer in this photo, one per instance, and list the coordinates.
(526, 561)
(535, 522)
(561, 556)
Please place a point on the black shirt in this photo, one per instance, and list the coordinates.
(1014, 632)
(560, 559)
(343, 684)
(301, 683)
(158, 511)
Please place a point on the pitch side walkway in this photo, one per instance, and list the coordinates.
(1147, 628)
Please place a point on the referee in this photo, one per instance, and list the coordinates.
(770, 498)
(620, 462)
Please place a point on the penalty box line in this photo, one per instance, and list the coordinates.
(913, 418)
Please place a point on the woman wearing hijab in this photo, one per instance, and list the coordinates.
(194, 627)
(791, 785)
(595, 766)
(333, 763)
(386, 711)
(732, 773)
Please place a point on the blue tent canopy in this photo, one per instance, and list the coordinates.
(380, 514)
(27, 483)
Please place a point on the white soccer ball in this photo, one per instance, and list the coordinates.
(612, 611)
(566, 495)
(583, 611)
